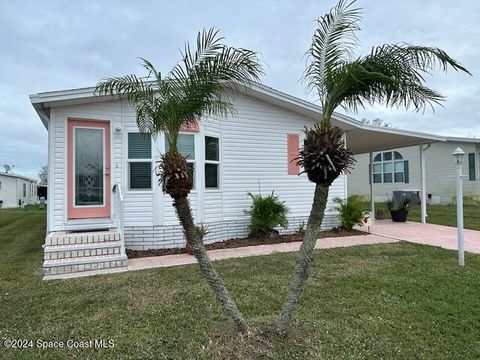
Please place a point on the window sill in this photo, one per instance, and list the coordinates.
(139, 191)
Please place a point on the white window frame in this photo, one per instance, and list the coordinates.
(189, 161)
(214, 162)
(143, 160)
(194, 160)
(393, 161)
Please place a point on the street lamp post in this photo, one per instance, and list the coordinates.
(459, 154)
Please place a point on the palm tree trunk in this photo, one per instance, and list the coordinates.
(304, 256)
(193, 237)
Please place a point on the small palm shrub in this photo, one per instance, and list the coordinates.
(403, 205)
(351, 211)
(266, 213)
(324, 155)
(174, 175)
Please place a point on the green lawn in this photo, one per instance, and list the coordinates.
(397, 301)
(442, 214)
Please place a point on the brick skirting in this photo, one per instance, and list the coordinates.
(171, 236)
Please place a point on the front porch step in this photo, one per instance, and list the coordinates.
(59, 268)
(69, 255)
(62, 238)
(54, 252)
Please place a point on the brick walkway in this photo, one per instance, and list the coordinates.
(222, 254)
(427, 234)
(381, 233)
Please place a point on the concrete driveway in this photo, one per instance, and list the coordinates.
(428, 234)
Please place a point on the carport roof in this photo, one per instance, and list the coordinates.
(361, 138)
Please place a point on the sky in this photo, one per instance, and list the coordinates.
(55, 45)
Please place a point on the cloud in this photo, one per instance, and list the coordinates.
(58, 45)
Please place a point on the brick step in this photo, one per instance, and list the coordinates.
(53, 252)
(61, 238)
(74, 267)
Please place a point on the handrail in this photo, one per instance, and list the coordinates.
(119, 214)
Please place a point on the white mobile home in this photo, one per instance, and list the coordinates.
(399, 170)
(17, 190)
(103, 192)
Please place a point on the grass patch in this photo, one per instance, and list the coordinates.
(384, 301)
(440, 214)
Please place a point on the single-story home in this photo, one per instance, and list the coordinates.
(103, 192)
(17, 190)
(398, 170)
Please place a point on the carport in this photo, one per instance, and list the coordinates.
(362, 139)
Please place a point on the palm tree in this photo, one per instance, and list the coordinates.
(200, 85)
(392, 75)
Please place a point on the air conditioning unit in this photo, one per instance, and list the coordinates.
(413, 195)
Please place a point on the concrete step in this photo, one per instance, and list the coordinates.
(70, 238)
(53, 252)
(74, 267)
(74, 254)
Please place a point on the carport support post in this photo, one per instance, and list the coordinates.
(423, 190)
(458, 154)
(372, 199)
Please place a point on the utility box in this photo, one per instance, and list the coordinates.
(413, 195)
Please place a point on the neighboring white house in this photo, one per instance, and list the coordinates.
(101, 173)
(399, 170)
(17, 190)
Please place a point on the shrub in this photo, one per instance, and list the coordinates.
(351, 211)
(301, 228)
(404, 204)
(469, 200)
(266, 212)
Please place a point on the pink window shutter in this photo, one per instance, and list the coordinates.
(293, 146)
(193, 127)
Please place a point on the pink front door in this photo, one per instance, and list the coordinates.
(88, 169)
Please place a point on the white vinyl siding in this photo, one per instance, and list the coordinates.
(110, 111)
(252, 158)
(254, 148)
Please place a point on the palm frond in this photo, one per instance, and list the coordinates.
(150, 68)
(128, 87)
(392, 75)
(204, 79)
(333, 44)
(197, 86)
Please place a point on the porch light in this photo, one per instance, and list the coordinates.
(459, 154)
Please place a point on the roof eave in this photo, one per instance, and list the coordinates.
(43, 101)
(43, 113)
